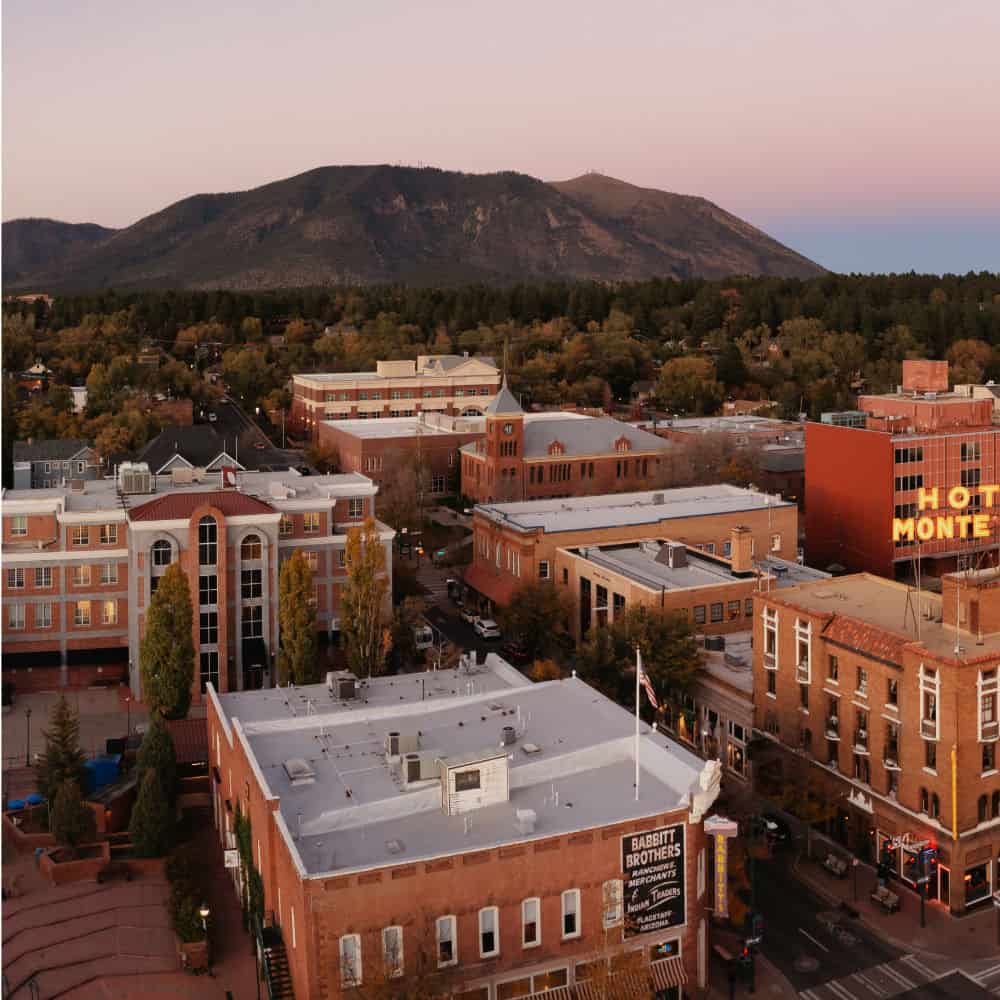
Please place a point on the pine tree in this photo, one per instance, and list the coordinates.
(152, 824)
(298, 655)
(63, 758)
(166, 655)
(362, 599)
(71, 820)
(156, 753)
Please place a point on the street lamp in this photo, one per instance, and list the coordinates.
(27, 740)
(128, 716)
(204, 912)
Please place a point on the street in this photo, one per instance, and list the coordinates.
(233, 425)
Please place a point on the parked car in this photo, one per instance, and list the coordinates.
(469, 615)
(212, 418)
(514, 652)
(486, 628)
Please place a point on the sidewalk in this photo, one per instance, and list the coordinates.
(972, 936)
(768, 981)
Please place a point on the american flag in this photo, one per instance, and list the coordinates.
(646, 682)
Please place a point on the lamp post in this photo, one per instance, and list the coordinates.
(204, 913)
(128, 717)
(27, 739)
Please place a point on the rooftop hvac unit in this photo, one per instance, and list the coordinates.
(419, 767)
(342, 684)
(526, 820)
(716, 643)
(397, 744)
(508, 736)
(299, 772)
(134, 477)
(658, 498)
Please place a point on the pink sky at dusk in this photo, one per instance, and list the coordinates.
(813, 120)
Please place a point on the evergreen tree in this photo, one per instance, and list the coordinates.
(362, 600)
(156, 753)
(71, 820)
(62, 760)
(152, 825)
(166, 656)
(298, 655)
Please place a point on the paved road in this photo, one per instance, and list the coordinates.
(233, 424)
(460, 633)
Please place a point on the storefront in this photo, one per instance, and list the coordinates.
(977, 883)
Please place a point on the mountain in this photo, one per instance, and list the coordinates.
(37, 245)
(370, 224)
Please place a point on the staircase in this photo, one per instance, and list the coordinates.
(277, 975)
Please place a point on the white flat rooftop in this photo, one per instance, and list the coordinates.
(358, 814)
(619, 509)
(392, 427)
(638, 561)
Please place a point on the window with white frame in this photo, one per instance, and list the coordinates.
(392, 951)
(109, 534)
(109, 612)
(776, 543)
(252, 622)
(988, 690)
(543, 569)
(571, 913)
(19, 525)
(489, 932)
(15, 579)
(81, 613)
(930, 691)
(356, 507)
(43, 616)
(803, 651)
(285, 526)
(109, 574)
(81, 576)
(80, 535)
(447, 944)
(438, 484)
(43, 576)
(612, 894)
(531, 922)
(770, 617)
(310, 522)
(161, 553)
(350, 960)
(15, 616)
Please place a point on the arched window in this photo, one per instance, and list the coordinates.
(251, 548)
(161, 554)
(935, 806)
(996, 805)
(983, 805)
(923, 800)
(208, 535)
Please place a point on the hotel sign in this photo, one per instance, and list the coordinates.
(942, 515)
(653, 863)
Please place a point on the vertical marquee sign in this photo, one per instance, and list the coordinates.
(721, 829)
(653, 865)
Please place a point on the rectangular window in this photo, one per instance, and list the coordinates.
(804, 696)
(310, 522)
(543, 569)
(776, 543)
(209, 628)
(862, 688)
(771, 682)
(252, 626)
(531, 922)
(930, 756)
(15, 616)
(716, 611)
(392, 951)
(285, 526)
(970, 451)
(571, 913)
(15, 579)
(489, 937)
(466, 781)
(109, 574)
(109, 612)
(81, 576)
(80, 536)
(355, 508)
(350, 960)
(770, 638)
(208, 538)
(733, 610)
(43, 616)
(989, 757)
(209, 669)
(748, 607)
(19, 526)
(43, 576)
(447, 948)
(904, 455)
(613, 902)
(892, 692)
(833, 668)
(311, 557)
(617, 604)
(699, 614)
(971, 477)
(437, 484)
(904, 484)
(109, 534)
(251, 584)
(81, 613)
(208, 589)
(342, 558)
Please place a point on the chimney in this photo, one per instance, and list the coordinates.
(741, 551)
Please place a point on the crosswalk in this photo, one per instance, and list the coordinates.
(876, 983)
(989, 979)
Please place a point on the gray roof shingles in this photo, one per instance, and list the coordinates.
(54, 450)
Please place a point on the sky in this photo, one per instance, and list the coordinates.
(863, 133)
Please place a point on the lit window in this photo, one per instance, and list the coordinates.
(109, 534)
(350, 960)
(489, 937)
(18, 525)
(109, 574)
(571, 913)
(310, 522)
(81, 613)
(80, 536)
(447, 949)
(109, 612)
(531, 922)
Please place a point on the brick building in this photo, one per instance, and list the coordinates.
(879, 705)
(514, 543)
(411, 826)
(81, 564)
(858, 478)
(429, 443)
(442, 383)
(530, 457)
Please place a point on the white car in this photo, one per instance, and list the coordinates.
(469, 616)
(486, 628)
(212, 418)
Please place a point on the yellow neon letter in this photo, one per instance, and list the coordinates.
(902, 528)
(927, 498)
(925, 529)
(958, 498)
(980, 525)
(946, 527)
(989, 494)
(964, 520)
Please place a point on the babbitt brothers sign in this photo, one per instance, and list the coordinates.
(653, 864)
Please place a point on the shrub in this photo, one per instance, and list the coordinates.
(156, 753)
(72, 822)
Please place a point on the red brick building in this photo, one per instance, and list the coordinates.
(81, 564)
(858, 479)
(879, 704)
(439, 383)
(533, 456)
(470, 830)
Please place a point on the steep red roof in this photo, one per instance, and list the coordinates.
(864, 638)
(176, 506)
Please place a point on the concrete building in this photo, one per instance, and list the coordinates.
(428, 442)
(744, 430)
(45, 464)
(81, 564)
(470, 830)
(444, 383)
(858, 479)
(515, 543)
(529, 457)
(878, 704)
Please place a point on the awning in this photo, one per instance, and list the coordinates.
(116, 655)
(38, 658)
(557, 993)
(254, 653)
(620, 986)
(498, 587)
(668, 972)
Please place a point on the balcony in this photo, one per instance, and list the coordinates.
(833, 728)
(802, 672)
(928, 728)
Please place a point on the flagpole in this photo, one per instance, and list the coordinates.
(638, 674)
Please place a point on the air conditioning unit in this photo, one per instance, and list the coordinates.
(419, 767)
(397, 744)
(342, 685)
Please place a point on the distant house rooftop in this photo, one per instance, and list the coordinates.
(54, 450)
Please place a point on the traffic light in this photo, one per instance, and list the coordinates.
(746, 958)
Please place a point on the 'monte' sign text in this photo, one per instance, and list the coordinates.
(653, 863)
